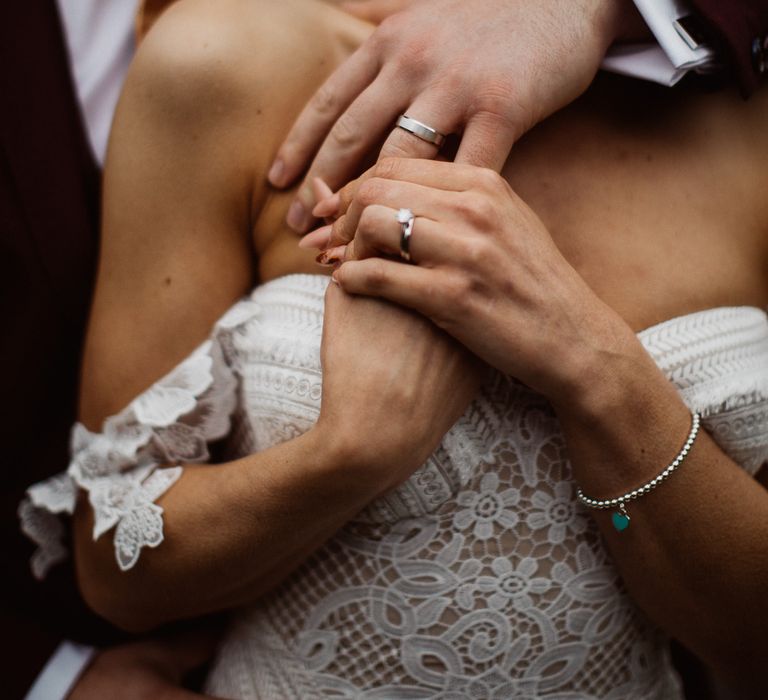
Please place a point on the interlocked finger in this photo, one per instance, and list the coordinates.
(395, 194)
(380, 233)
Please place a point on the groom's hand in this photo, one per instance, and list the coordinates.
(486, 69)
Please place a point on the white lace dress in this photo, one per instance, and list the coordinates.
(480, 577)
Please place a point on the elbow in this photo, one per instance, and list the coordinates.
(123, 598)
(120, 610)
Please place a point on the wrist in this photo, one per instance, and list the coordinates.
(623, 426)
(357, 465)
(609, 368)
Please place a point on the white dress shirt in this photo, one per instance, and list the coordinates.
(100, 39)
(667, 61)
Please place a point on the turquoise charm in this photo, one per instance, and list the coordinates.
(620, 519)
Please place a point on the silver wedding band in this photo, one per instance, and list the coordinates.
(421, 130)
(405, 218)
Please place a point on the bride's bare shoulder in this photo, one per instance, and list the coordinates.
(202, 51)
(217, 68)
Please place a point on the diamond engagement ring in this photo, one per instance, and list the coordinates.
(405, 218)
(420, 130)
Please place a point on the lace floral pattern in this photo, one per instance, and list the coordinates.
(499, 586)
(120, 468)
(480, 577)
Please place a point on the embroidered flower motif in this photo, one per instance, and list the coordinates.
(172, 421)
(513, 585)
(487, 507)
(559, 513)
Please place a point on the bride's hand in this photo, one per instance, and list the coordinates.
(393, 384)
(484, 268)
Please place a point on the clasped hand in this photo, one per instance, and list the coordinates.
(393, 385)
(485, 270)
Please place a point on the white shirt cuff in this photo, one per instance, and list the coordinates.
(60, 674)
(670, 59)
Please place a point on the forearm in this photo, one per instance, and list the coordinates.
(232, 531)
(694, 556)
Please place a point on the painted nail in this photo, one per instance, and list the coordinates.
(327, 207)
(332, 256)
(297, 215)
(319, 238)
(325, 259)
(276, 173)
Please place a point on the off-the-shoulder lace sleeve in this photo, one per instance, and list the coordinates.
(136, 457)
(718, 359)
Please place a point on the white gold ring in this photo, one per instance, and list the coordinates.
(405, 218)
(420, 130)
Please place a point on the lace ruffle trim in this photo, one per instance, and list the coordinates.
(119, 468)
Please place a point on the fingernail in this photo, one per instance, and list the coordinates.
(297, 214)
(276, 173)
(334, 278)
(331, 256)
(327, 207)
(325, 259)
(318, 238)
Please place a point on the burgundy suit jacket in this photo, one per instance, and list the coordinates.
(740, 28)
(49, 209)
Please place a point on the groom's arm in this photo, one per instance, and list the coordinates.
(489, 70)
(697, 35)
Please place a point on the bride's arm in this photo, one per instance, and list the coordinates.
(694, 558)
(189, 139)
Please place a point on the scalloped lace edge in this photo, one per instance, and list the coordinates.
(120, 468)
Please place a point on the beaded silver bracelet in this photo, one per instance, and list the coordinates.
(620, 518)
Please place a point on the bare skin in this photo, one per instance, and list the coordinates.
(190, 226)
(147, 668)
(187, 233)
(488, 70)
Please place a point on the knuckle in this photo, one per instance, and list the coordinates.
(472, 254)
(339, 230)
(325, 101)
(504, 108)
(489, 180)
(367, 227)
(370, 192)
(412, 59)
(377, 275)
(387, 30)
(455, 85)
(480, 253)
(344, 134)
(456, 290)
(475, 208)
(481, 212)
(485, 211)
(387, 168)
